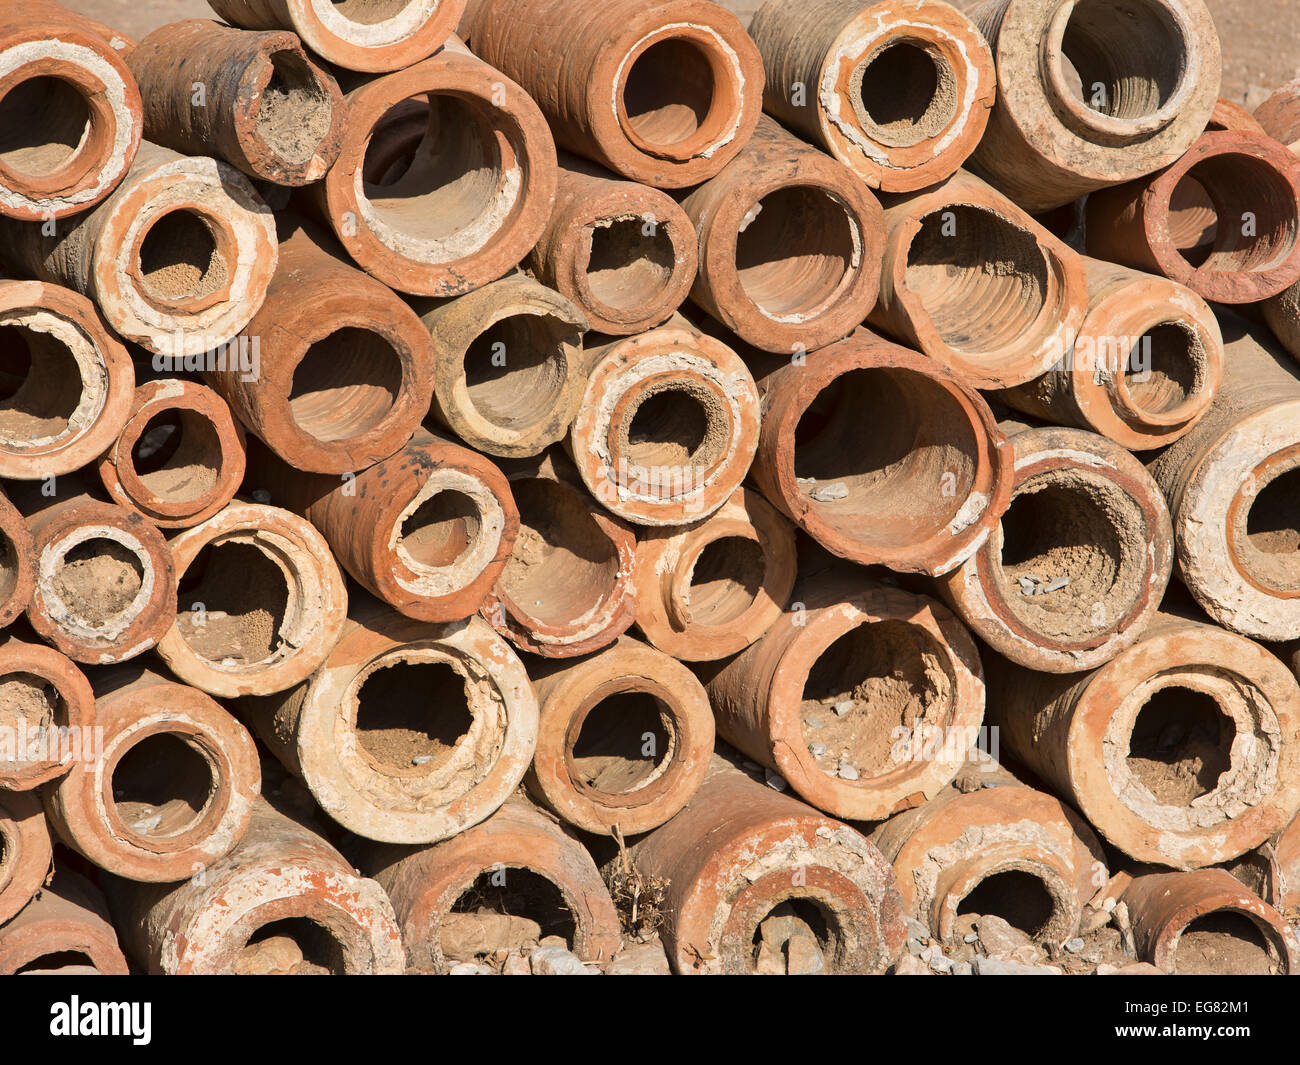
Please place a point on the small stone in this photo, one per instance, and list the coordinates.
(805, 480)
(940, 964)
(261, 495)
(843, 707)
(1053, 585)
(998, 967)
(274, 955)
(804, 957)
(926, 954)
(848, 771)
(915, 947)
(812, 722)
(830, 493)
(420, 759)
(998, 937)
(1028, 585)
(909, 966)
(775, 781)
(916, 929)
(516, 965)
(1075, 945)
(148, 824)
(1139, 968)
(962, 968)
(556, 961)
(470, 968)
(818, 750)
(970, 937)
(640, 959)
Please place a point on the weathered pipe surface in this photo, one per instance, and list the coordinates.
(179, 458)
(789, 244)
(708, 590)
(407, 733)
(664, 92)
(976, 284)
(173, 788)
(1005, 850)
(1230, 484)
(1224, 220)
(66, 920)
(1144, 367)
(261, 604)
(1228, 115)
(1187, 923)
(1280, 857)
(41, 689)
(1078, 563)
(427, 530)
(355, 34)
(625, 738)
(282, 901)
(880, 455)
(105, 583)
(508, 365)
(624, 253)
(26, 852)
(519, 862)
(69, 112)
(898, 91)
(742, 862)
(1091, 95)
(446, 176)
(343, 373)
(1279, 115)
(266, 108)
(17, 562)
(67, 381)
(569, 587)
(177, 259)
(667, 427)
(843, 694)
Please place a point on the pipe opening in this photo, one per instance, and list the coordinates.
(725, 580)
(44, 123)
(868, 689)
(671, 428)
(8, 568)
(508, 890)
(56, 960)
(440, 530)
(411, 715)
(906, 93)
(515, 369)
(797, 936)
(294, 946)
(98, 580)
(1245, 212)
(162, 786)
(232, 603)
(1019, 898)
(294, 111)
(625, 742)
(563, 566)
(1272, 542)
(178, 456)
(1123, 58)
(1180, 745)
(669, 92)
(40, 386)
(29, 706)
(345, 385)
(179, 258)
(795, 251)
(626, 269)
(1193, 220)
(370, 12)
(907, 478)
(982, 280)
(1225, 942)
(1163, 370)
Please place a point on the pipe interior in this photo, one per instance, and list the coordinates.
(1163, 371)
(292, 946)
(1225, 941)
(624, 743)
(906, 93)
(162, 786)
(1020, 898)
(44, 122)
(515, 370)
(725, 580)
(98, 579)
(797, 936)
(411, 715)
(233, 601)
(294, 111)
(345, 384)
(669, 92)
(1271, 549)
(1257, 203)
(179, 455)
(40, 385)
(441, 529)
(180, 258)
(627, 268)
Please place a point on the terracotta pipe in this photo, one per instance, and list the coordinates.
(665, 93)
(835, 693)
(66, 381)
(1228, 115)
(173, 788)
(569, 587)
(668, 425)
(898, 91)
(1184, 923)
(1004, 850)
(518, 862)
(179, 458)
(1093, 95)
(284, 886)
(17, 562)
(919, 491)
(1224, 220)
(1144, 367)
(26, 854)
(1179, 750)
(741, 855)
(406, 733)
(66, 921)
(261, 602)
(624, 253)
(1229, 486)
(789, 244)
(266, 108)
(1087, 522)
(47, 715)
(342, 375)
(353, 35)
(508, 365)
(1279, 115)
(177, 259)
(69, 112)
(708, 590)
(624, 741)
(975, 283)
(1280, 857)
(428, 530)
(463, 195)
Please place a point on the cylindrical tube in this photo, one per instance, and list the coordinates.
(65, 925)
(47, 715)
(25, 849)
(1279, 115)
(17, 562)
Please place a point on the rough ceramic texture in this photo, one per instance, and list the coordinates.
(42, 689)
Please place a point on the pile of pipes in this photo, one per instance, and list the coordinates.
(574, 486)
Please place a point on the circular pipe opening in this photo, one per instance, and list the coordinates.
(293, 946)
(725, 580)
(8, 568)
(1163, 372)
(669, 92)
(178, 456)
(1018, 897)
(797, 936)
(670, 427)
(55, 961)
(1180, 745)
(410, 716)
(369, 12)
(162, 786)
(627, 269)
(294, 111)
(44, 123)
(440, 530)
(1271, 552)
(98, 580)
(905, 93)
(345, 385)
(181, 258)
(1226, 942)
(31, 707)
(40, 386)
(1256, 201)
(625, 742)
(233, 600)
(537, 904)
(515, 370)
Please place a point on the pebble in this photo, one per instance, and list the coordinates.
(962, 968)
(639, 959)
(915, 947)
(843, 707)
(420, 759)
(817, 750)
(917, 930)
(775, 781)
(940, 964)
(848, 772)
(998, 967)
(909, 966)
(471, 968)
(970, 937)
(1028, 585)
(1054, 585)
(148, 824)
(828, 494)
(1075, 945)
(812, 722)
(556, 961)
